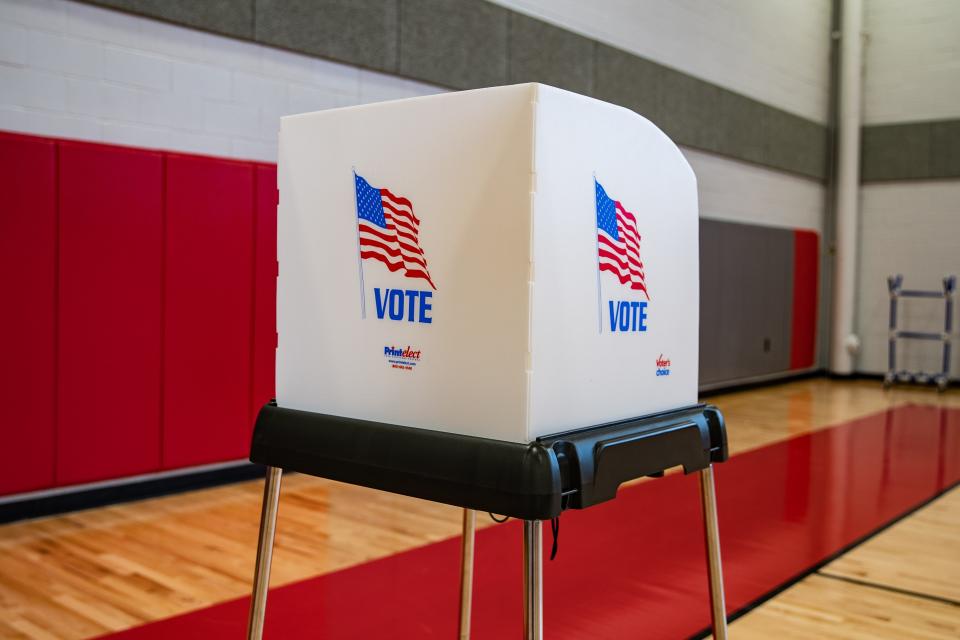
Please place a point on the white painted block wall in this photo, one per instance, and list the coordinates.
(776, 51)
(77, 71)
(742, 192)
(911, 228)
(912, 74)
(73, 70)
(912, 61)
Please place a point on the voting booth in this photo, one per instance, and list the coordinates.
(490, 299)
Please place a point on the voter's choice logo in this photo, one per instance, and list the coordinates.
(402, 358)
(389, 232)
(663, 366)
(618, 256)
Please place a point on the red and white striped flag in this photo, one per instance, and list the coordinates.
(618, 242)
(389, 231)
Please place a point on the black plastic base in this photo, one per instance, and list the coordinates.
(535, 481)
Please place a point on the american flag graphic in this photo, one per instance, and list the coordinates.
(618, 242)
(389, 231)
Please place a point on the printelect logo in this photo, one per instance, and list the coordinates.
(396, 352)
(400, 358)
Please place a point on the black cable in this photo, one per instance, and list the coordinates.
(555, 528)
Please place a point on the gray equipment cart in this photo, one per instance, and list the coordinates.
(942, 378)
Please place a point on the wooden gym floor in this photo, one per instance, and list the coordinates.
(88, 573)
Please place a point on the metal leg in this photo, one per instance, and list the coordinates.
(466, 571)
(718, 610)
(532, 580)
(891, 345)
(261, 575)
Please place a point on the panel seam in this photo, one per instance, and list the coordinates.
(56, 314)
(162, 417)
(254, 219)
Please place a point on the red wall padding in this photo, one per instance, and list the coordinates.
(806, 276)
(209, 310)
(28, 228)
(140, 327)
(111, 256)
(265, 290)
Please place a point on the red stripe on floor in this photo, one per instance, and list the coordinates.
(635, 566)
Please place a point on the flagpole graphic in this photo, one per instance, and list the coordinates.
(597, 239)
(356, 212)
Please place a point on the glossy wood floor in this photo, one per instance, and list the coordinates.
(903, 583)
(87, 573)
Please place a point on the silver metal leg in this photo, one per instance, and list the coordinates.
(532, 580)
(718, 610)
(261, 575)
(466, 571)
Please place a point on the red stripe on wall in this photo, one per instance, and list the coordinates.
(28, 228)
(109, 309)
(806, 261)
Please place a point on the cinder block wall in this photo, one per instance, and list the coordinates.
(74, 70)
(910, 211)
(79, 71)
(776, 52)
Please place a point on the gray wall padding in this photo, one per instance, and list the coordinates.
(746, 300)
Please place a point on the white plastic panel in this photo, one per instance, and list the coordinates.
(515, 342)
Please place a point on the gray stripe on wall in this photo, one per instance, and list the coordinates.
(911, 151)
(466, 44)
(705, 116)
(363, 32)
(454, 43)
(541, 52)
(227, 17)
